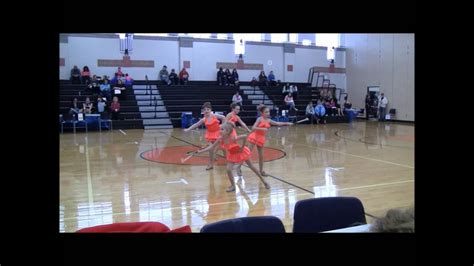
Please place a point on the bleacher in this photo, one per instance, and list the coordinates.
(179, 99)
(129, 113)
(301, 101)
(189, 98)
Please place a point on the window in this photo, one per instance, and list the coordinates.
(327, 39)
(294, 37)
(222, 36)
(201, 35)
(306, 38)
(253, 37)
(279, 37)
(152, 34)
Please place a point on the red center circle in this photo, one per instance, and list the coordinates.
(176, 155)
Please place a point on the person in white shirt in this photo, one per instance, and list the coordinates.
(289, 102)
(383, 101)
(100, 105)
(237, 99)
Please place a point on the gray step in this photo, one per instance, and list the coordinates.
(157, 121)
(142, 87)
(152, 115)
(149, 108)
(158, 127)
(254, 92)
(144, 92)
(147, 97)
(255, 97)
(266, 102)
(147, 103)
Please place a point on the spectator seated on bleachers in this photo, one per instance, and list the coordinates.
(87, 107)
(235, 77)
(164, 76)
(174, 77)
(75, 75)
(183, 76)
(347, 105)
(228, 77)
(119, 90)
(128, 80)
(94, 85)
(310, 112)
(237, 99)
(74, 108)
(262, 79)
(114, 80)
(320, 112)
(271, 79)
(332, 104)
(86, 75)
(290, 102)
(105, 89)
(327, 105)
(221, 77)
(119, 73)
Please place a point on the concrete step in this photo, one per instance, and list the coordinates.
(157, 121)
(147, 97)
(147, 103)
(149, 108)
(146, 115)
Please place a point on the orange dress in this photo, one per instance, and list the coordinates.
(233, 134)
(258, 136)
(213, 129)
(234, 155)
(234, 118)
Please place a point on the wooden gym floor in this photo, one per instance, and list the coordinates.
(120, 176)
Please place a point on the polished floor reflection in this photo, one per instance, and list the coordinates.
(104, 178)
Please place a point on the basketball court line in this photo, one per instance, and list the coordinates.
(89, 176)
(274, 177)
(377, 185)
(122, 132)
(366, 142)
(236, 201)
(358, 156)
(306, 190)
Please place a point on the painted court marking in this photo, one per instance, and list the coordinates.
(234, 201)
(358, 156)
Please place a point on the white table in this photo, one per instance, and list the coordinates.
(365, 228)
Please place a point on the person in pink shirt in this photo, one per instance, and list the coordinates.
(115, 108)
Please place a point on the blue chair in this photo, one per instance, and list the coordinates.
(324, 214)
(75, 123)
(186, 118)
(255, 224)
(106, 122)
